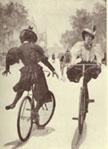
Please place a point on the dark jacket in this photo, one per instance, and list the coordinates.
(30, 54)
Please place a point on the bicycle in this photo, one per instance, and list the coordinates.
(25, 120)
(83, 100)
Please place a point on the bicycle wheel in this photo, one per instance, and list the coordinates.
(87, 98)
(82, 111)
(46, 111)
(24, 121)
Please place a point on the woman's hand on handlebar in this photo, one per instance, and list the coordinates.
(55, 73)
(5, 73)
(98, 63)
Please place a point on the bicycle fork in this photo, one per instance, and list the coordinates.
(85, 100)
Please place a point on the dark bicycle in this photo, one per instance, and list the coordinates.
(84, 99)
(25, 120)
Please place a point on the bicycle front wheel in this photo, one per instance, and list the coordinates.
(24, 121)
(46, 111)
(82, 112)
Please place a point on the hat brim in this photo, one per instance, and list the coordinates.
(85, 32)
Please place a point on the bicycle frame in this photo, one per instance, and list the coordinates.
(84, 83)
(83, 68)
(84, 99)
(31, 100)
(32, 89)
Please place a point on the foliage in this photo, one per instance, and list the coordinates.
(84, 19)
(13, 17)
(99, 16)
(66, 38)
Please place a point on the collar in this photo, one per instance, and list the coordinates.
(88, 46)
(25, 42)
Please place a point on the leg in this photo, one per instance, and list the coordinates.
(74, 73)
(17, 97)
(62, 72)
(35, 114)
(93, 71)
(40, 91)
(38, 106)
(61, 68)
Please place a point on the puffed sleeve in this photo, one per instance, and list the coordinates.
(76, 52)
(42, 57)
(12, 57)
(40, 54)
(99, 53)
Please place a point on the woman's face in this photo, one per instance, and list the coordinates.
(88, 38)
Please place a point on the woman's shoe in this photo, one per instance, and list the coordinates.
(11, 106)
(35, 117)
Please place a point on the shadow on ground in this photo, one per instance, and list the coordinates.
(42, 132)
(79, 139)
(35, 132)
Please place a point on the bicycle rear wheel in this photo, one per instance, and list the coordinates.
(46, 111)
(24, 121)
(82, 111)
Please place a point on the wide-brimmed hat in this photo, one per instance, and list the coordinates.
(28, 35)
(88, 31)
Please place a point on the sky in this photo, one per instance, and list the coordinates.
(52, 16)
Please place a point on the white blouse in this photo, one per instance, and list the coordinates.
(80, 53)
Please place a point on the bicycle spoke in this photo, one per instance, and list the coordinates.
(24, 107)
(24, 119)
(24, 122)
(46, 111)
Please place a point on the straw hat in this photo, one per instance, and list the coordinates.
(88, 31)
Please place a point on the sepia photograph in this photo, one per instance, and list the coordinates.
(53, 74)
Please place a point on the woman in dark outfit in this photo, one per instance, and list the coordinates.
(30, 54)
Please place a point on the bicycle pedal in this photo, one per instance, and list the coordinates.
(75, 118)
(91, 100)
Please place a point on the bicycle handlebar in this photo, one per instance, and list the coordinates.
(83, 66)
(49, 73)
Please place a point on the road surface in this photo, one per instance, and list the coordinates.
(61, 132)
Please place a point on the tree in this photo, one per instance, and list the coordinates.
(68, 39)
(84, 19)
(78, 22)
(99, 16)
(13, 17)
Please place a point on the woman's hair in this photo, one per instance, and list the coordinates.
(28, 35)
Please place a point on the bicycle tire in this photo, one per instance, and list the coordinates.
(87, 98)
(82, 112)
(25, 100)
(51, 113)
